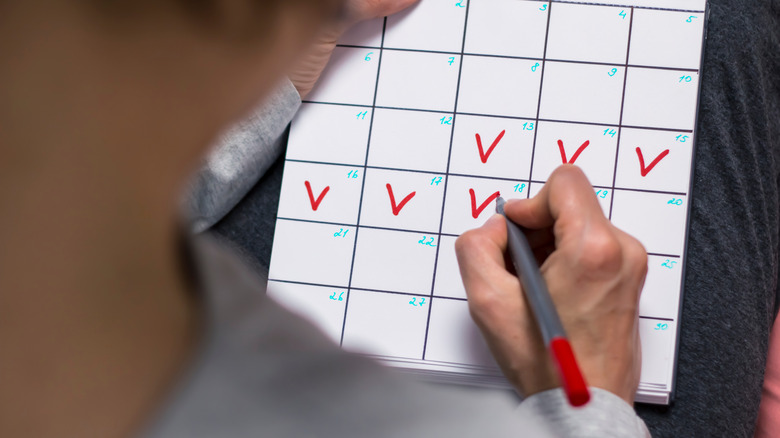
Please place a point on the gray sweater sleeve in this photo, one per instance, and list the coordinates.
(239, 159)
(605, 416)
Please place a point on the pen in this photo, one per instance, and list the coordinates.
(544, 311)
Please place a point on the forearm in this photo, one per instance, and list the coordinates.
(239, 159)
(605, 416)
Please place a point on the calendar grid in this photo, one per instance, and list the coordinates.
(622, 108)
(363, 185)
(446, 179)
(366, 249)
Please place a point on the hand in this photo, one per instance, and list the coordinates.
(594, 272)
(307, 71)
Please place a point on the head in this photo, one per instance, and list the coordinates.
(105, 108)
(124, 96)
(85, 74)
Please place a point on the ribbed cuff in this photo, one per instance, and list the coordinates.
(605, 416)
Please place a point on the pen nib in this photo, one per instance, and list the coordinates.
(500, 205)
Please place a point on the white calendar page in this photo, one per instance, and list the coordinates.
(423, 118)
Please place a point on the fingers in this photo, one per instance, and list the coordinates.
(567, 196)
(391, 7)
(359, 10)
(489, 286)
(481, 251)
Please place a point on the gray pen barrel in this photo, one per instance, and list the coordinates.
(534, 285)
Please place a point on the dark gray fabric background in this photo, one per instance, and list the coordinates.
(731, 274)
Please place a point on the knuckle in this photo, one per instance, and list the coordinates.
(601, 251)
(566, 172)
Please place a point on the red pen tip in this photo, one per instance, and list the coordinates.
(573, 383)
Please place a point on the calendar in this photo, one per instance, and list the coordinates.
(423, 119)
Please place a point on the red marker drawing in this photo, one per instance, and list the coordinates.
(397, 207)
(646, 170)
(315, 204)
(485, 155)
(476, 211)
(576, 154)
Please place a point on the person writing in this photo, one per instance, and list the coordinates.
(116, 324)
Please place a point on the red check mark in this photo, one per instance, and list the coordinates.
(485, 155)
(397, 207)
(646, 170)
(315, 204)
(476, 211)
(576, 154)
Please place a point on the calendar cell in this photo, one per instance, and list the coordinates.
(657, 349)
(320, 192)
(603, 195)
(349, 78)
(415, 140)
(499, 86)
(660, 296)
(507, 28)
(471, 201)
(657, 220)
(429, 25)
(582, 92)
(590, 147)
(364, 34)
(322, 306)
(448, 281)
(326, 259)
(588, 33)
(495, 147)
(661, 98)
(385, 324)
(402, 200)
(396, 261)
(450, 319)
(654, 160)
(666, 39)
(425, 81)
(330, 134)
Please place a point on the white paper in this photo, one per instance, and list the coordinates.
(421, 120)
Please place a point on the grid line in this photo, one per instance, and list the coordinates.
(622, 108)
(446, 179)
(539, 102)
(363, 186)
